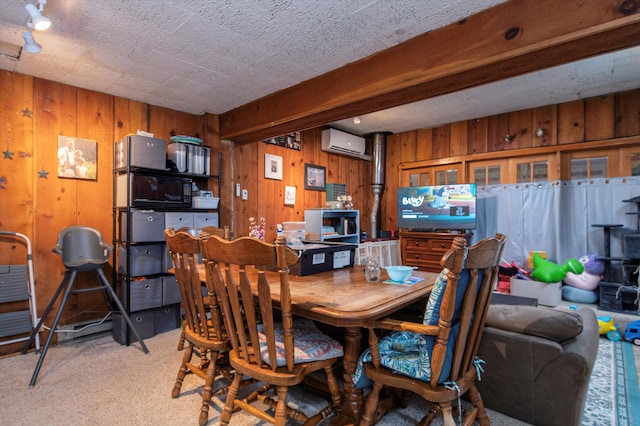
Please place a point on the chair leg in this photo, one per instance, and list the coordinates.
(117, 302)
(182, 372)
(207, 392)
(181, 341)
(65, 297)
(225, 416)
(46, 313)
(371, 405)
(476, 400)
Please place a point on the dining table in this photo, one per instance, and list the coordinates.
(344, 298)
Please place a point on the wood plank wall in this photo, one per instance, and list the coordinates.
(40, 207)
(35, 202)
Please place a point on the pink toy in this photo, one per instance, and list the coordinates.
(584, 280)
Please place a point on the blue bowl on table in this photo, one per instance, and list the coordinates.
(399, 273)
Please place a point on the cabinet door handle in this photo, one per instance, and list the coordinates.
(442, 245)
(417, 243)
(417, 257)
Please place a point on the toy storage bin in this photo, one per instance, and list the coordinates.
(548, 294)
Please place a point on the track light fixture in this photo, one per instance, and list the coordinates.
(30, 44)
(38, 21)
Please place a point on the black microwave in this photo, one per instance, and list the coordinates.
(154, 191)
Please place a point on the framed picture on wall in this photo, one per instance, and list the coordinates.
(272, 167)
(289, 195)
(77, 158)
(314, 177)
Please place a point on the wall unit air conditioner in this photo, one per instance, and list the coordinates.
(339, 142)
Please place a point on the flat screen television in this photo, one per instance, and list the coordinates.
(437, 207)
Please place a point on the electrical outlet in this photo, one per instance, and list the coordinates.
(245, 194)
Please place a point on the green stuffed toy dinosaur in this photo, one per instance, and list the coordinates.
(549, 272)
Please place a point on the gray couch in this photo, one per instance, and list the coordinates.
(538, 362)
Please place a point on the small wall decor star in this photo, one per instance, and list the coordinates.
(43, 174)
(26, 112)
(8, 154)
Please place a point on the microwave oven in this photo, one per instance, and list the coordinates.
(153, 191)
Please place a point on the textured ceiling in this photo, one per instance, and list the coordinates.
(202, 56)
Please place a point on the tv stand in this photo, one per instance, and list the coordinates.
(425, 249)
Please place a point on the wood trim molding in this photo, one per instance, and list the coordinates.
(510, 39)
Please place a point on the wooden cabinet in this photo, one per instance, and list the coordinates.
(425, 249)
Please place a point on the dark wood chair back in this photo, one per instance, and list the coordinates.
(240, 270)
(471, 274)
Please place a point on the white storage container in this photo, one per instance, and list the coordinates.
(548, 294)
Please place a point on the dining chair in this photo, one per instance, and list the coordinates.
(203, 329)
(280, 354)
(437, 359)
(211, 230)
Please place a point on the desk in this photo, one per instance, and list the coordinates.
(345, 299)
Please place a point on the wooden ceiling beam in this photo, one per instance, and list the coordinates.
(508, 40)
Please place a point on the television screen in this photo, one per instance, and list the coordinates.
(438, 207)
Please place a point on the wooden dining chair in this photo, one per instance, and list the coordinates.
(436, 359)
(196, 232)
(203, 329)
(280, 354)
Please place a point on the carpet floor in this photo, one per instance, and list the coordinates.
(99, 382)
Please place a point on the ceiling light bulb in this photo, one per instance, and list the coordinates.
(38, 21)
(30, 44)
(357, 120)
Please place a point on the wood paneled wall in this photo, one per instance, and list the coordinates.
(35, 202)
(33, 112)
(598, 120)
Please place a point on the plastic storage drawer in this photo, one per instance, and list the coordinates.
(166, 318)
(170, 291)
(148, 153)
(177, 220)
(145, 259)
(201, 220)
(142, 321)
(144, 293)
(146, 226)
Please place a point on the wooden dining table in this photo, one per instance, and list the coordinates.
(343, 298)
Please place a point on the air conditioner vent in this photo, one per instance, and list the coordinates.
(339, 142)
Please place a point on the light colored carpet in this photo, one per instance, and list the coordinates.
(99, 382)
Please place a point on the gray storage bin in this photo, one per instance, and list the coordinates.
(177, 220)
(202, 219)
(142, 321)
(631, 246)
(145, 259)
(144, 293)
(166, 318)
(170, 291)
(148, 153)
(146, 226)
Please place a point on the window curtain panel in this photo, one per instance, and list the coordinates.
(558, 216)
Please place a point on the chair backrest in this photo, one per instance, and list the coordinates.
(237, 266)
(220, 232)
(202, 313)
(471, 274)
(82, 248)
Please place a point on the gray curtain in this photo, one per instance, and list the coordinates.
(558, 216)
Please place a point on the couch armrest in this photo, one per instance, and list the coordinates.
(547, 323)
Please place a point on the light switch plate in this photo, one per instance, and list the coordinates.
(245, 194)
(237, 189)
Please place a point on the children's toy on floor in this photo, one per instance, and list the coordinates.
(582, 288)
(632, 333)
(608, 328)
(549, 272)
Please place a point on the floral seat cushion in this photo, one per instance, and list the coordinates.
(310, 344)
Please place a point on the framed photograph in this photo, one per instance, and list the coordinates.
(77, 158)
(314, 177)
(289, 195)
(272, 167)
